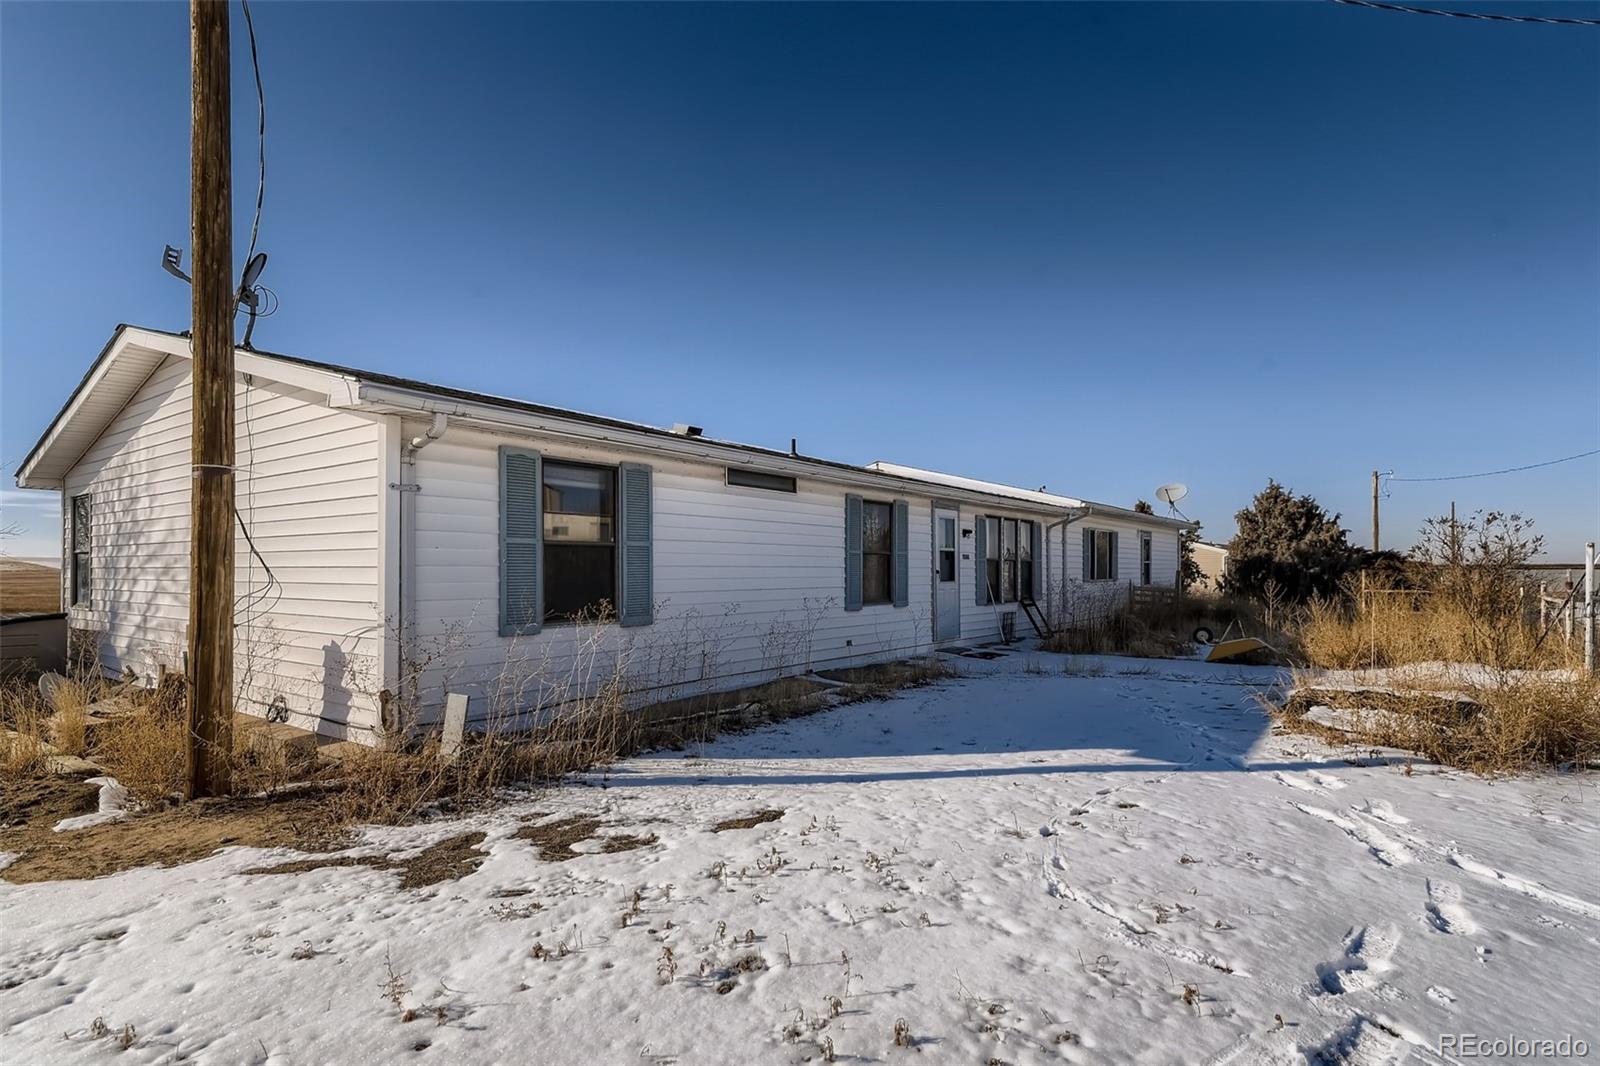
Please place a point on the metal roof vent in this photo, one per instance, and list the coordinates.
(683, 429)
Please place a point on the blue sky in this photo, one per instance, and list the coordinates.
(1097, 247)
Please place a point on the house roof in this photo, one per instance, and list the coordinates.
(134, 353)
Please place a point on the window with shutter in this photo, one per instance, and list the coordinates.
(980, 560)
(852, 552)
(1099, 555)
(521, 531)
(900, 576)
(636, 607)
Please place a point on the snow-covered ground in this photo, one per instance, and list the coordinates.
(1017, 866)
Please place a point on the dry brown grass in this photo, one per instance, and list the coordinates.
(29, 588)
(1512, 722)
(536, 722)
(1515, 698)
(1121, 633)
(24, 746)
(1394, 627)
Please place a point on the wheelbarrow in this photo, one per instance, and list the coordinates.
(1229, 648)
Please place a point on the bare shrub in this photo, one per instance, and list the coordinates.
(145, 750)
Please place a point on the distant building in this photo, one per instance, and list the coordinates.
(1213, 562)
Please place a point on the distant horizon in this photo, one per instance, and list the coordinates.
(1098, 246)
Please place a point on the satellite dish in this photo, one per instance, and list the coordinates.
(1171, 494)
(252, 271)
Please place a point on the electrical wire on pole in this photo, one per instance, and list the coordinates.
(210, 638)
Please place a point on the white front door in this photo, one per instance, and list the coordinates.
(946, 574)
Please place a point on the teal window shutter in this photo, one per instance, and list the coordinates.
(980, 560)
(521, 532)
(1088, 554)
(1113, 574)
(1038, 561)
(900, 573)
(635, 605)
(852, 553)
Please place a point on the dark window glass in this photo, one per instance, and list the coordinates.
(991, 551)
(947, 549)
(756, 479)
(1102, 556)
(1025, 560)
(1008, 562)
(580, 547)
(877, 550)
(82, 547)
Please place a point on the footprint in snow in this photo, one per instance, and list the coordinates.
(1296, 781)
(1444, 909)
(1382, 810)
(1366, 957)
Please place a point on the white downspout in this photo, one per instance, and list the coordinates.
(408, 489)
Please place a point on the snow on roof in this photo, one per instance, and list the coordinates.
(995, 488)
(1049, 499)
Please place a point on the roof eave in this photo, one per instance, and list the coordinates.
(393, 399)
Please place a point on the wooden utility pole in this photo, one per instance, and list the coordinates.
(1374, 510)
(211, 439)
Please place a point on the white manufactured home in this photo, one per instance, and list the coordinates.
(396, 539)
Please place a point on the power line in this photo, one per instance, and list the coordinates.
(261, 130)
(1481, 16)
(1507, 470)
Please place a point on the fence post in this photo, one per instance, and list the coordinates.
(1566, 612)
(1588, 608)
(1544, 608)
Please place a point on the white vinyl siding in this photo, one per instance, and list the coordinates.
(740, 578)
(1064, 587)
(308, 488)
